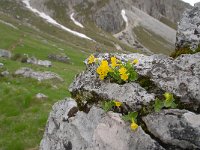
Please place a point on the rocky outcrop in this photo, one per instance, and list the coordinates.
(38, 75)
(180, 77)
(188, 33)
(5, 53)
(93, 131)
(88, 86)
(71, 126)
(175, 127)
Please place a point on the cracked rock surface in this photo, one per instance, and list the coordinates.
(88, 85)
(175, 127)
(93, 131)
(180, 76)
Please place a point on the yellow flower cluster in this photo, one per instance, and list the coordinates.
(134, 126)
(91, 59)
(103, 69)
(123, 73)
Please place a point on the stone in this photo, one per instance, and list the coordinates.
(5, 73)
(188, 33)
(61, 58)
(92, 131)
(45, 63)
(41, 96)
(29, 73)
(88, 85)
(180, 128)
(1, 65)
(5, 53)
(180, 76)
(35, 61)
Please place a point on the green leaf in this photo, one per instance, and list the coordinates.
(174, 105)
(133, 75)
(168, 103)
(158, 105)
(107, 106)
(131, 116)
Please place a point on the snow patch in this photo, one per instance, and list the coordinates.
(9, 24)
(54, 22)
(123, 13)
(75, 21)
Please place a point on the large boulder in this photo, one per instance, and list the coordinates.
(29, 73)
(175, 127)
(71, 126)
(92, 131)
(87, 86)
(188, 33)
(180, 77)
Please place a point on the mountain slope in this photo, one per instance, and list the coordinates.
(106, 15)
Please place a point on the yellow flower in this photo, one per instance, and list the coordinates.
(134, 126)
(91, 59)
(114, 61)
(103, 69)
(122, 70)
(168, 96)
(123, 74)
(124, 77)
(118, 104)
(135, 61)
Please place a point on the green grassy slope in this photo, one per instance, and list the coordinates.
(153, 42)
(22, 116)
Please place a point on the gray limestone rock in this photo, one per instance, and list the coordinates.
(29, 73)
(1, 65)
(5, 53)
(41, 96)
(175, 127)
(180, 76)
(33, 60)
(188, 33)
(89, 86)
(93, 131)
(5, 73)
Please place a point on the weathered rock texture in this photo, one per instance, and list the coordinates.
(188, 33)
(175, 127)
(180, 77)
(88, 86)
(93, 131)
(29, 73)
